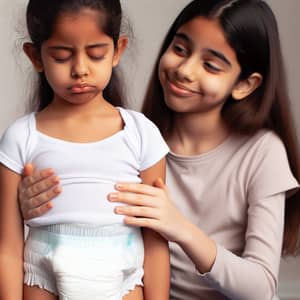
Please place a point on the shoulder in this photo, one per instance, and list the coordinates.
(266, 143)
(15, 142)
(145, 138)
(138, 118)
(139, 123)
(19, 129)
(269, 169)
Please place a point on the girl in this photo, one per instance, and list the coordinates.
(219, 96)
(75, 47)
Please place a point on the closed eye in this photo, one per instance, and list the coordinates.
(180, 50)
(97, 57)
(212, 67)
(61, 60)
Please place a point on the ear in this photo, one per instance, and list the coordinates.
(245, 87)
(122, 44)
(34, 56)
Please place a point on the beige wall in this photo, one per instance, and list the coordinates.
(150, 19)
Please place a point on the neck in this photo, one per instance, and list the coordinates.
(65, 109)
(195, 133)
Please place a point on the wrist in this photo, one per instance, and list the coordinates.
(186, 234)
(199, 247)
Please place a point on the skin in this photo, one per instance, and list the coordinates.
(197, 72)
(77, 60)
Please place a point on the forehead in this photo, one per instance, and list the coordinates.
(207, 33)
(82, 25)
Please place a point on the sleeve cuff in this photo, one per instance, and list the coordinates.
(217, 266)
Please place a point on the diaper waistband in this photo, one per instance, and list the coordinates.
(86, 230)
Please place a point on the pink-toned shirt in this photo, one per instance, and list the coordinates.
(235, 194)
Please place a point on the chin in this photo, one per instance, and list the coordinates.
(82, 98)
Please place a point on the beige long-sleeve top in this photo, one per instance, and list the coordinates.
(235, 194)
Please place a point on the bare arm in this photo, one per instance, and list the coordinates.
(157, 260)
(11, 237)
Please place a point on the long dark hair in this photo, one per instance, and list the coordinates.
(41, 17)
(251, 30)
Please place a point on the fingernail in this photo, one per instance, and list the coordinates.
(49, 205)
(49, 172)
(55, 179)
(57, 189)
(119, 186)
(118, 210)
(112, 196)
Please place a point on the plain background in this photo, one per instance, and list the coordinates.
(150, 20)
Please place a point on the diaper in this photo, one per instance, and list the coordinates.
(78, 262)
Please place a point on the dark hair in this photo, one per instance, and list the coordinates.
(41, 17)
(251, 30)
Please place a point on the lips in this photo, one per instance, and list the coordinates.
(82, 88)
(180, 90)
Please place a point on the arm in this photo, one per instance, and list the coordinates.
(225, 271)
(11, 237)
(261, 256)
(156, 210)
(156, 262)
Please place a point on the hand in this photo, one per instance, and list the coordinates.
(150, 207)
(36, 190)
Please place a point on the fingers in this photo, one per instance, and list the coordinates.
(137, 211)
(138, 188)
(132, 199)
(160, 184)
(45, 187)
(36, 176)
(38, 205)
(142, 222)
(38, 211)
(28, 170)
(44, 197)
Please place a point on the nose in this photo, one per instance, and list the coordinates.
(80, 67)
(187, 70)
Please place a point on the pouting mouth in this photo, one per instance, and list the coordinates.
(81, 87)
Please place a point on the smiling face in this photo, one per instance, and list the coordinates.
(78, 57)
(199, 70)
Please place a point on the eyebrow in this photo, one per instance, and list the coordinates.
(99, 45)
(218, 54)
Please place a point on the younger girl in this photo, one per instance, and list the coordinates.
(219, 96)
(75, 47)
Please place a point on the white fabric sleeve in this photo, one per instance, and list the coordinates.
(253, 275)
(13, 146)
(152, 145)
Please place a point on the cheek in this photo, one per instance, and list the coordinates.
(217, 86)
(212, 85)
(103, 74)
(57, 76)
(167, 62)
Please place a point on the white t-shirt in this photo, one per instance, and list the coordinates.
(235, 194)
(87, 171)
